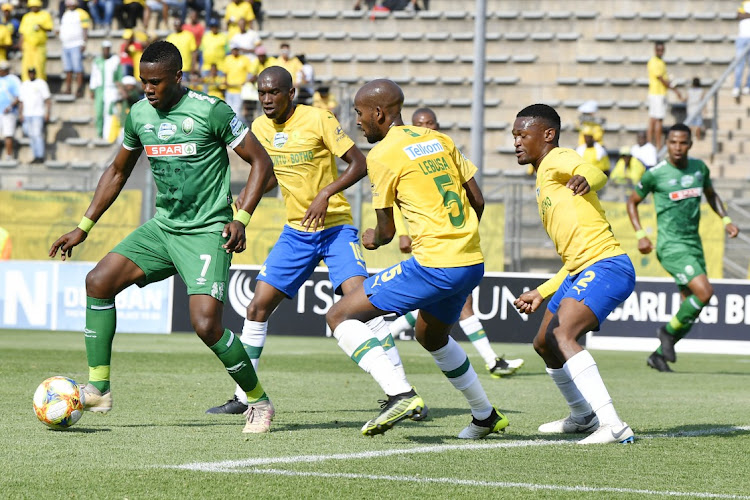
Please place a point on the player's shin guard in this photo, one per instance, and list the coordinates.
(474, 331)
(229, 350)
(683, 320)
(579, 407)
(358, 342)
(253, 339)
(383, 334)
(454, 363)
(101, 321)
(584, 373)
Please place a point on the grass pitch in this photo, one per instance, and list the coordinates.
(692, 428)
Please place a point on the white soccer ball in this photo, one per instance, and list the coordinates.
(58, 402)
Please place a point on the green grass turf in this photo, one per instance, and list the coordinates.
(163, 384)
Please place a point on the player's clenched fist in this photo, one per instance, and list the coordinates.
(529, 301)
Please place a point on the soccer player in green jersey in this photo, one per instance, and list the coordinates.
(185, 135)
(678, 183)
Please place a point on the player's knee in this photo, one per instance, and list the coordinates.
(706, 293)
(98, 284)
(335, 316)
(258, 311)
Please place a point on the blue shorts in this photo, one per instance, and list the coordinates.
(441, 291)
(296, 254)
(72, 60)
(602, 287)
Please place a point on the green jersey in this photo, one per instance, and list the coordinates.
(187, 149)
(677, 200)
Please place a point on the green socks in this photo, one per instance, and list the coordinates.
(231, 352)
(101, 321)
(683, 320)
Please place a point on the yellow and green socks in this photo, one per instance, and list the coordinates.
(683, 320)
(101, 321)
(232, 354)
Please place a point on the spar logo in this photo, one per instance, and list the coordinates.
(188, 149)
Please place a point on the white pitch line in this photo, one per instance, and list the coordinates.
(227, 465)
(493, 484)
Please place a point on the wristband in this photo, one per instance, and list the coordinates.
(640, 234)
(86, 224)
(726, 220)
(243, 217)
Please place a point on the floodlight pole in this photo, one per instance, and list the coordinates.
(477, 103)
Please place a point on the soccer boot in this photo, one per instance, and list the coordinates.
(667, 344)
(658, 362)
(395, 409)
(477, 429)
(232, 407)
(417, 417)
(259, 416)
(569, 426)
(622, 434)
(504, 367)
(94, 400)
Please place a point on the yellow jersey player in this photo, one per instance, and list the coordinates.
(497, 366)
(596, 275)
(422, 172)
(302, 142)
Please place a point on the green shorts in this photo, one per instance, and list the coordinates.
(198, 258)
(684, 264)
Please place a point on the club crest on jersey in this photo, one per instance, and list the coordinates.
(279, 140)
(187, 125)
(427, 148)
(188, 149)
(686, 181)
(166, 131)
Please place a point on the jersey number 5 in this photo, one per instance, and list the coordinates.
(451, 200)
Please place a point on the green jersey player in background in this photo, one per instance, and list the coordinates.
(185, 135)
(678, 184)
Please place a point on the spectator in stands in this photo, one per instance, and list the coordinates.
(33, 30)
(236, 10)
(102, 12)
(106, 71)
(391, 5)
(237, 68)
(130, 52)
(694, 97)
(588, 118)
(592, 152)
(6, 31)
(658, 84)
(306, 80)
(289, 63)
(185, 43)
(73, 33)
(194, 26)
(130, 93)
(214, 83)
(10, 86)
(131, 12)
(257, 65)
(740, 44)
(628, 169)
(5, 244)
(213, 47)
(368, 3)
(33, 112)
(325, 100)
(258, 12)
(245, 39)
(644, 150)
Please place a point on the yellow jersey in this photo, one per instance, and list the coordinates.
(256, 66)
(423, 172)
(656, 68)
(34, 27)
(302, 150)
(214, 47)
(292, 65)
(236, 68)
(576, 224)
(185, 43)
(632, 173)
(6, 40)
(214, 85)
(235, 11)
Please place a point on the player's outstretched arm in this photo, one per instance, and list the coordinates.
(315, 216)
(383, 232)
(644, 244)
(250, 150)
(718, 206)
(475, 196)
(110, 184)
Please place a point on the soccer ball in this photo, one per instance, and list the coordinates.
(58, 402)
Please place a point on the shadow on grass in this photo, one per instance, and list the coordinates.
(697, 431)
(81, 430)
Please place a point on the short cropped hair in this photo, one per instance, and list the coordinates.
(162, 52)
(680, 127)
(544, 112)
